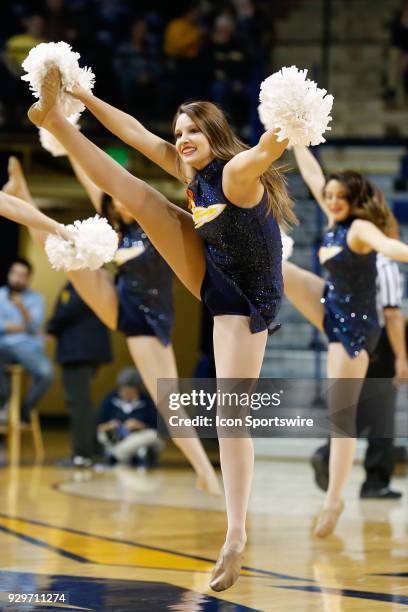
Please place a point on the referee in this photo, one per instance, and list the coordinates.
(375, 413)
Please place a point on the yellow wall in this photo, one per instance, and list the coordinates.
(49, 282)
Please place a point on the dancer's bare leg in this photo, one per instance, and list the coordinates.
(153, 360)
(170, 229)
(342, 449)
(238, 354)
(96, 287)
(304, 290)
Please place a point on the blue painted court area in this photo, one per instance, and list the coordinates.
(107, 595)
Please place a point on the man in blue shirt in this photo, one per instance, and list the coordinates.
(21, 340)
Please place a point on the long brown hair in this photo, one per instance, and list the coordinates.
(366, 201)
(224, 144)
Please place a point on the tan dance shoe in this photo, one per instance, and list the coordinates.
(327, 521)
(227, 569)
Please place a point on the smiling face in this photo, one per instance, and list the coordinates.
(191, 143)
(337, 200)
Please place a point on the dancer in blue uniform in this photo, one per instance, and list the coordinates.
(243, 252)
(222, 264)
(360, 224)
(138, 302)
(144, 281)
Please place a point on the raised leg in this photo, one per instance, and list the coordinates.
(304, 290)
(169, 228)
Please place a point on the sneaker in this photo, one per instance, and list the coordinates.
(379, 493)
(320, 465)
(77, 461)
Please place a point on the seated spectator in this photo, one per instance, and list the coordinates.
(138, 70)
(183, 42)
(183, 35)
(19, 45)
(21, 340)
(397, 78)
(228, 69)
(14, 94)
(82, 346)
(127, 422)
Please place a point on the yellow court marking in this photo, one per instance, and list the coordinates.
(99, 551)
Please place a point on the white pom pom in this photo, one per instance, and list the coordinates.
(94, 243)
(50, 143)
(60, 253)
(295, 107)
(287, 245)
(60, 54)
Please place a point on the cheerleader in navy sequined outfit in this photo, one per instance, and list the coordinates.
(235, 284)
(360, 224)
(138, 302)
(233, 261)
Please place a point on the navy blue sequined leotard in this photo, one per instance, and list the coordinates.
(350, 295)
(243, 251)
(144, 284)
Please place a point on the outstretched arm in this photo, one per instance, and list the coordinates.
(19, 211)
(241, 175)
(312, 174)
(94, 193)
(365, 235)
(131, 131)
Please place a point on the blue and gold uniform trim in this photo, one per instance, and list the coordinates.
(203, 214)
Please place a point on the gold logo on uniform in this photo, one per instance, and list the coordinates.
(202, 214)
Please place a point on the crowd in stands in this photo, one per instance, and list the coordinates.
(147, 56)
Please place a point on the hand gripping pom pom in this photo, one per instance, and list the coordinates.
(94, 243)
(50, 143)
(295, 107)
(287, 245)
(45, 55)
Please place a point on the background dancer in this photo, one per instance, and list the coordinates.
(344, 307)
(375, 414)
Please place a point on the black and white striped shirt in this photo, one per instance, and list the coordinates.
(390, 286)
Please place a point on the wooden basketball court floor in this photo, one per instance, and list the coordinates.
(132, 540)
